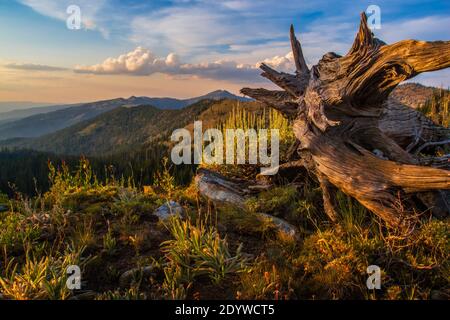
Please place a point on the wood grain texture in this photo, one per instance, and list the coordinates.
(360, 141)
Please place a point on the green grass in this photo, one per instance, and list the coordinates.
(196, 251)
(216, 252)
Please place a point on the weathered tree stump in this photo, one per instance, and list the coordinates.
(353, 137)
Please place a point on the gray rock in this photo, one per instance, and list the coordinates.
(3, 208)
(168, 210)
(282, 226)
(88, 295)
(216, 188)
(128, 277)
(438, 295)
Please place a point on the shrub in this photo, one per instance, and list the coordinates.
(194, 252)
(40, 276)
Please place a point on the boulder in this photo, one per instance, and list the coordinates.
(88, 295)
(283, 226)
(168, 210)
(218, 189)
(128, 277)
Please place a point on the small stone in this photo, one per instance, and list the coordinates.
(438, 295)
(168, 210)
(127, 278)
(217, 189)
(282, 226)
(88, 295)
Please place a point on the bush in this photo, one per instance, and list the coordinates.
(196, 251)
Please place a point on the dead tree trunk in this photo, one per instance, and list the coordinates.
(360, 141)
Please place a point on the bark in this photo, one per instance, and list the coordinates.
(353, 137)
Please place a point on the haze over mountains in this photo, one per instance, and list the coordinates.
(118, 125)
(124, 129)
(36, 122)
(6, 106)
(17, 114)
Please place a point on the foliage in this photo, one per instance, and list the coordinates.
(274, 201)
(437, 107)
(41, 276)
(194, 252)
(98, 217)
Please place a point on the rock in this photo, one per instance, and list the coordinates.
(438, 295)
(168, 210)
(216, 188)
(3, 208)
(282, 226)
(127, 278)
(88, 295)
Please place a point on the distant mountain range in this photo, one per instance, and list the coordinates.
(6, 106)
(17, 114)
(120, 125)
(36, 122)
(171, 103)
(125, 128)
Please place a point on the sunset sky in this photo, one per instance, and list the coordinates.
(184, 48)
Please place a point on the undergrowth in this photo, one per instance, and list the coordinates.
(108, 228)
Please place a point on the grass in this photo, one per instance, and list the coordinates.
(196, 252)
(41, 276)
(215, 251)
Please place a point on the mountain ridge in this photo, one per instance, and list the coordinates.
(124, 123)
(48, 122)
(124, 128)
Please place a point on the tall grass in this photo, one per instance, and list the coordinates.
(194, 252)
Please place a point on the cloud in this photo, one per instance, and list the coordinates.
(91, 11)
(196, 30)
(430, 28)
(143, 62)
(282, 63)
(33, 67)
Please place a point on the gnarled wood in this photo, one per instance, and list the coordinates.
(356, 139)
(293, 85)
(279, 100)
(299, 59)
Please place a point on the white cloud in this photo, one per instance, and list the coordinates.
(431, 28)
(142, 61)
(196, 30)
(57, 9)
(282, 63)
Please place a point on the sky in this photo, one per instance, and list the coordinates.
(184, 48)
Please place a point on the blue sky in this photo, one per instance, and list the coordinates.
(183, 47)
